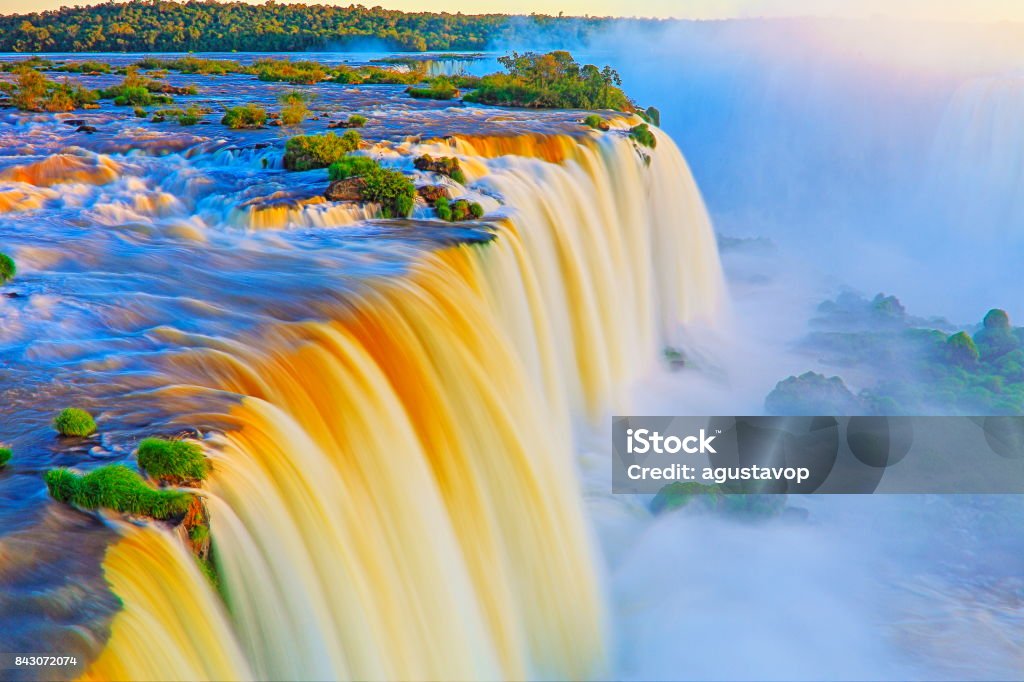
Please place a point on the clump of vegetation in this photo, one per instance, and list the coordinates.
(444, 165)
(186, 117)
(295, 107)
(35, 92)
(7, 268)
(596, 122)
(643, 135)
(298, 73)
(962, 350)
(136, 90)
(443, 208)
(206, 67)
(922, 364)
(352, 166)
(371, 75)
(455, 211)
(996, 338)
(72, 421)
(245, 116)
(174, 461)
(305, 152)
(812, 394)
(37, 63)
(5, 457)
(88, 66)
(190, 116)
(118, 488)
(392, 190)
(650, 115)
(356, 121)
(140, 112)
(552, 80)
(439, 88)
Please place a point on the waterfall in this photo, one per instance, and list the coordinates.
(394, 495)
(170, 619)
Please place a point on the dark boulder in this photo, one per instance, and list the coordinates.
(431, 193)
(349, 189)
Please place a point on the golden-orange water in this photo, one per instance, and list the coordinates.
(396, 497)
(172, 626)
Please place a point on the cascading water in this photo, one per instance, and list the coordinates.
(394, 493)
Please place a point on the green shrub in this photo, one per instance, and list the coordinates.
(135, 97)
(440, 88)
(443, 208)
(552, 80)
(245, 116)
(135, 90)
(35, 92)
(356, 121)
(298, 73)
(295, 109)
(7, 268)
(351, 166)
(305, 152)
(457, 210)
(72, 421)
(118, 488)
(141, 113)
(173, 460)
(190, 116)
(596, 122)
(88, 66)
(961, 350)
(643, 135)
(392, 190)
(5, 457)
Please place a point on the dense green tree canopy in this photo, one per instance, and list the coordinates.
(164, 26)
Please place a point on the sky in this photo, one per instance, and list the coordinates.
(943, 10)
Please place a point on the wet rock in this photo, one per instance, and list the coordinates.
(431, 193)
(349, 189)
(73, 122)
(275, 122)
(86, 129)
(445, 165)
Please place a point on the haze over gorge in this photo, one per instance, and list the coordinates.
(313, 321)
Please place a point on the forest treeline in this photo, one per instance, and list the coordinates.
(164, 26)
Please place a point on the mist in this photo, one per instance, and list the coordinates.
(874, 157)
(888, 156)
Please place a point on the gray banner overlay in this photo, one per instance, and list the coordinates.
(800, 455)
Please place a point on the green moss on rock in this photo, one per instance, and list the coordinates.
(72, 421)
(118, 488)
(7, 268)
(175, 461)
(5, 457)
